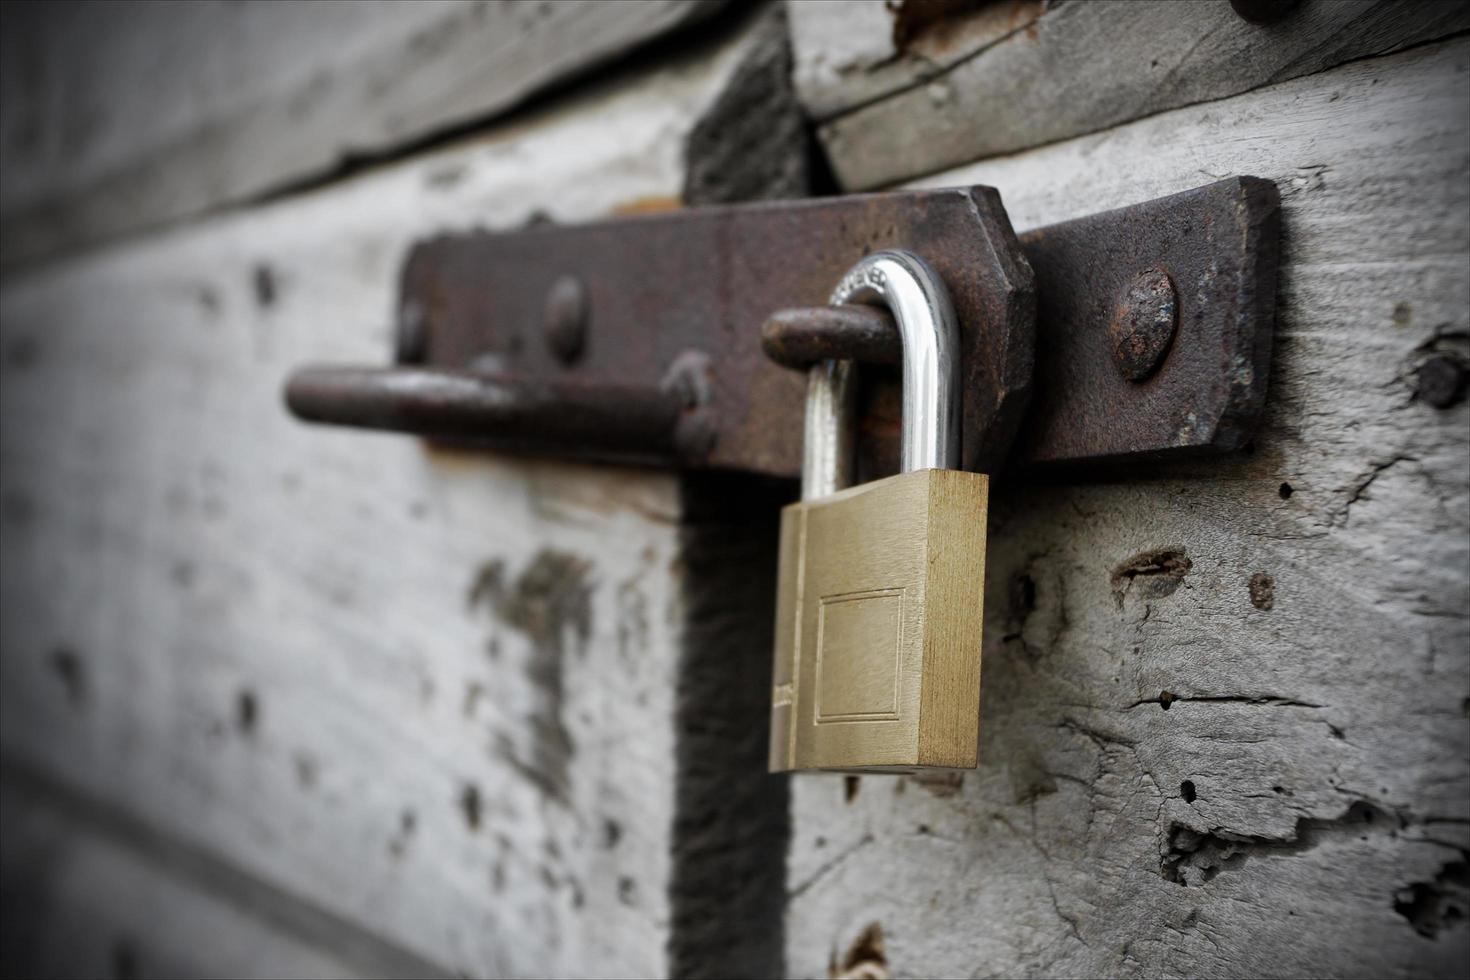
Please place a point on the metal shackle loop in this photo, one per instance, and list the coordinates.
(919, 302)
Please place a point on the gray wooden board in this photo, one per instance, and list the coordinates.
(1083, 67)
(123, 116)
(1303, 807)
(846, 56)
(112, 912)
(88, 894)
(430, 692)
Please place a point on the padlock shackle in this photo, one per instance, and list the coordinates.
(920, 305)
(829, 436)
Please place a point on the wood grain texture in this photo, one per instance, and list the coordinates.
(847, 55)
(1224, 713)
(731, 816)
(1082, 67)
(431, 692)
(89, 892)
(124, 116)
(117, 913)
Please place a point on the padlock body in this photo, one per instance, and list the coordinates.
(880, 607)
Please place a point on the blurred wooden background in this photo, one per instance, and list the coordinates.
(282, 700)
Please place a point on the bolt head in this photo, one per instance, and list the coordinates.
(1143, 327)
(1442, 381)
(564, 325)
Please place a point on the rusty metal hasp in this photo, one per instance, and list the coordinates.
(671, 339)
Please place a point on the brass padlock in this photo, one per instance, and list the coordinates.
(881, 589)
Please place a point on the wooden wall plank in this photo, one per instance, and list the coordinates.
(433, 692)
(87, 893)
(847, 54)
(123, 116)
(1083, 67)
(1299, 801)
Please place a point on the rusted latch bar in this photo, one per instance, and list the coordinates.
(1143, 332)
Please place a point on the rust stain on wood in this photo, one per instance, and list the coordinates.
(865, 959)
(1151, 574)
(935, 29)
(1263, 590)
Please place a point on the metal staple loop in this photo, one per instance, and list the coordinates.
(917, 295)
(800, 338)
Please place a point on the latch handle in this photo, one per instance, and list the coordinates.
(562, 416)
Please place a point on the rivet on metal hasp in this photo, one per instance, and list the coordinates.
(565, 321)
(1143, 326)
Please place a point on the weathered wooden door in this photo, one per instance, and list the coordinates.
(288, 700)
